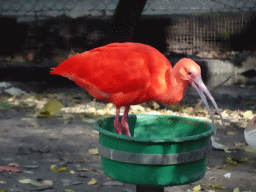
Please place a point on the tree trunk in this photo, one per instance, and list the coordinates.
(126, 15)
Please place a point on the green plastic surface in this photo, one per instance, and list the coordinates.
(155, 134)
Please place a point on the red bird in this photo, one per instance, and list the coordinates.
(132, 73)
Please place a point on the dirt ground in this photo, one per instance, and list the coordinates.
(35, 147)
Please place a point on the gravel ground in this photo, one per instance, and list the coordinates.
(39, 147)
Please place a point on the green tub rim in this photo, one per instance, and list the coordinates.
(175, 140)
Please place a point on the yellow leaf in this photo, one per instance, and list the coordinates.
(94, 151)
(52, 107)
(62, 169)
(107, 115)
(3, 190)
(207, 186)
(231, 133)
(219, 187)
(236, 190)
(92, 182)
(69, 190)
(57, 170)
(249, 149)
(245, 159)
(45, 114)
(197, 188)
(230, 161)
(239, 144)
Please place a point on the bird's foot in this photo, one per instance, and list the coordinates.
(118, 127)
(124, 123)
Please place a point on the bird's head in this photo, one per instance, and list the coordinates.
(190, 71)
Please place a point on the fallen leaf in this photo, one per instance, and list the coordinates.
(240, 124)
(36, 183)
(51, 108)
(236, 190)
(3, 190)
(248, 115)
(230, 161)
(249, 149)
(127, 190)
(24, 180)
(82, 169)
(15, 91)
(57, 170)
(231, 133)
(69, 190)
(13, 165)
(88, 120)
(67, 182)
(29, 172)
(72, 172)
(226, 149)
(31, 166)
(219, 187)
(107, 115)
(239, 144)
(197, 188)
(48, 182)
(98, 171)
(207, 186)
(45, 114)
(94, 151)
(92, 182)
(245, 160)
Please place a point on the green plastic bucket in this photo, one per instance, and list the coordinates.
(163, 150)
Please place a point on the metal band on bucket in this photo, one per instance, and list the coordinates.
(155, 159)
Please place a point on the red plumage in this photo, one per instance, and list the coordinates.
(128, 74)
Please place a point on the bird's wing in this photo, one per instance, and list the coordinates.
(113, 68)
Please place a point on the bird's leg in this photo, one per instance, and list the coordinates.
(124, 121)
(117, 124)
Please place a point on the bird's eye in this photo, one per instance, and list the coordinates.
(189, 73)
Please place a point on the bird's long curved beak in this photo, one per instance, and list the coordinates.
(201, 88)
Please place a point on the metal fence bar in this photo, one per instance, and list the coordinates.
(193, 33)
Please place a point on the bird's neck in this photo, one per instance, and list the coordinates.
(176, 87)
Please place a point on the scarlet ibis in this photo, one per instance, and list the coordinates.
(250, 134)
(133, 73)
